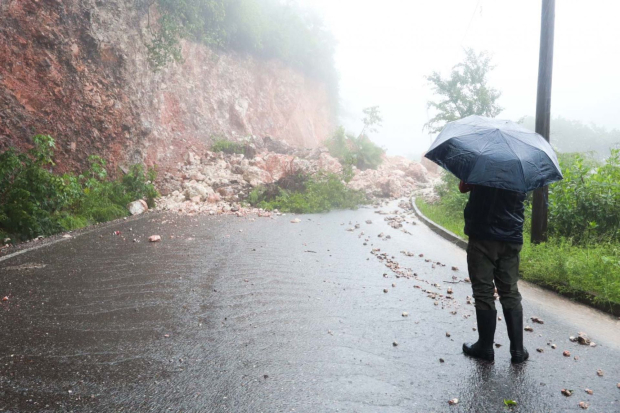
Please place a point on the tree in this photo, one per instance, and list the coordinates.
(372, 120)
(464, 93)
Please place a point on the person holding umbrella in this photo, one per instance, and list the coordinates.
(498, 162)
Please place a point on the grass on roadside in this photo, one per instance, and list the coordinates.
(443, 216)
(590, 270)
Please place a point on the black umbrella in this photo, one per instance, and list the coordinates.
(496, 153)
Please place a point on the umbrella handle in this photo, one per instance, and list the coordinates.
(465, 188)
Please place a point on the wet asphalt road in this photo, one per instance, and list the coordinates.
(232, 314)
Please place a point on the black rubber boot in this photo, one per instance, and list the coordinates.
(514, 324)
(483, 348)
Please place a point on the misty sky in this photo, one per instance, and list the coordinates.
(387, 47)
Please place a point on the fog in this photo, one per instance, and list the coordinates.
(385, 48)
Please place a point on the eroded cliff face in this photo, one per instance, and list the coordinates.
(78, 70)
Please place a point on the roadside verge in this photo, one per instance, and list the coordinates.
(580, 297)
(450, 236)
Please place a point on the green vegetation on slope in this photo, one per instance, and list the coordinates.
(307, 194)
(582, 256)
(34, 201)
(360, 152)
(265, 28)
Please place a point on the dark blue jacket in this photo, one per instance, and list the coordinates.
(495, 214)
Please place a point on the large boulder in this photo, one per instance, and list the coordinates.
(418, 172)
(328, 163)
(256, 176)
(277, 146)
(194, 188)
(137, 207)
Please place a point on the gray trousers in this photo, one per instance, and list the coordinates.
(494, 264)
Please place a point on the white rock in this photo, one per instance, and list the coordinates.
(137, 207)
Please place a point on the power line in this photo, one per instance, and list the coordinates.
(470, 21)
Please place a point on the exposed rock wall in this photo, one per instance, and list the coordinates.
(78, 70)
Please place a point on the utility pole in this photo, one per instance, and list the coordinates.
(543, 114)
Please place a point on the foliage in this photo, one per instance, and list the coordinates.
(351, 151)
(372, 119)
(569, 136)
(320, 193)
(34, 201)
(464, 93)
(585, 205)
(266, 28)
(197, 20)
(226, 146)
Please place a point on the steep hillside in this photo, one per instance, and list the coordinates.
(78, 70)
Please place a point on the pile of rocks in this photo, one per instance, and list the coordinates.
(216, 182)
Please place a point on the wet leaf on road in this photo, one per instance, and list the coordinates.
(508, 402)
(537, 320)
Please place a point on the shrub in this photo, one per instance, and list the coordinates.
(360, 152)
(34, 201)
(226, 146)
(320, 193)
(585, 205)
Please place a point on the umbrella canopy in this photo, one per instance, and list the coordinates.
(495, 153)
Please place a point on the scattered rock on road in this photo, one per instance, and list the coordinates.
(295, 221)
(584, 405)
(155, 238)
(452, 402)
(567, 393)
